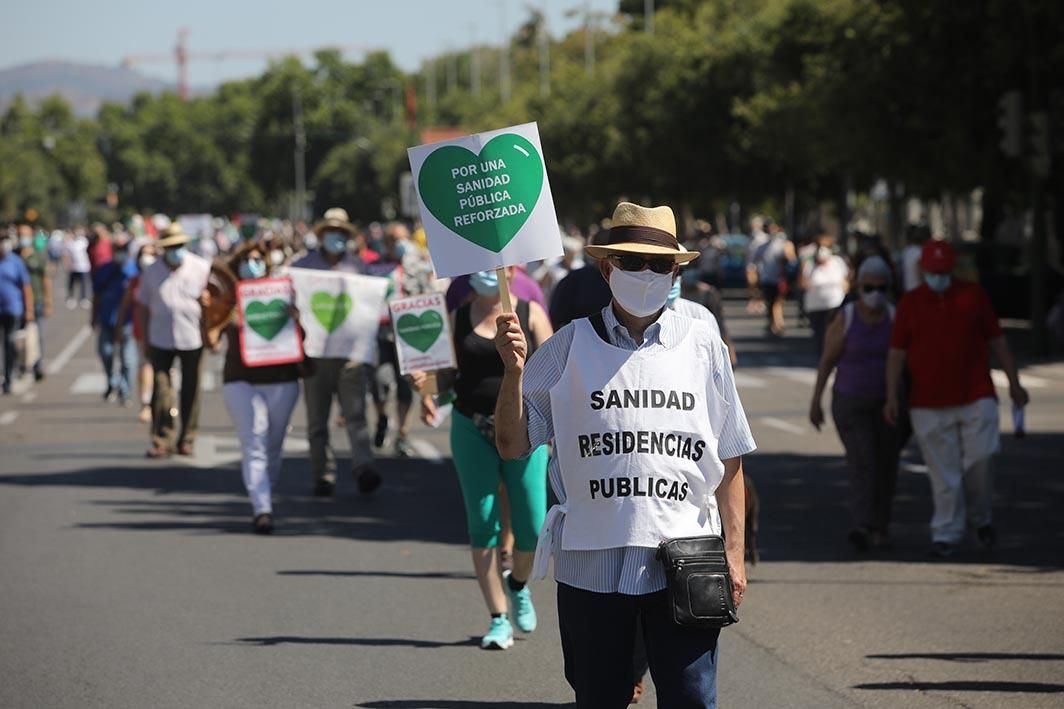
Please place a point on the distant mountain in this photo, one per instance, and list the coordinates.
(85, 86)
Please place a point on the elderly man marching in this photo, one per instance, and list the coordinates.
(342, 379)
(648, 435)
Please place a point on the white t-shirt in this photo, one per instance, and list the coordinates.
(172, 299)
(910, 266)
(77, 252)
(825, 285)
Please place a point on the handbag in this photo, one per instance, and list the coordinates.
(697, 581)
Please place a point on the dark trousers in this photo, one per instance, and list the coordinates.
(79, 281)
(598, 636)
(162, 418)
(818, 322)
(872, 450)
(9, 325)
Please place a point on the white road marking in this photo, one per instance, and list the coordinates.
(747, 381)
(29, 397)
(795, 374)
(781, 425)
(426, 450)
(69, 351)
(96, 383)
(22, 385)
(8, 417)
(90, 383)
(1026, 380)
(216, 451)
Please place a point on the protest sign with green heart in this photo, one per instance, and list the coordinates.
(420, 331)
(484, 198)
(330, 309)
(267, 319)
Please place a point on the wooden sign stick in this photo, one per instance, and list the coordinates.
(504, 290)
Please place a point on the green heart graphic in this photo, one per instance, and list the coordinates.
(500, 188)
(420, 332)
(330, 310)
(267, 319)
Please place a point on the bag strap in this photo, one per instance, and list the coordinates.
(599, 324)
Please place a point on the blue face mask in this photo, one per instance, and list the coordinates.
(674, 293)
(485, 282)
(252, 269)
(175, 257)
(937, 282)
(335, 242)
(402, 248)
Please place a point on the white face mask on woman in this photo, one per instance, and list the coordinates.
(874, 300)
(641, 293)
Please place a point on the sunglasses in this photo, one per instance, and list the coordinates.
(634, 262)
(872, 289)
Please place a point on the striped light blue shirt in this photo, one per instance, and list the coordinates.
(628, 570)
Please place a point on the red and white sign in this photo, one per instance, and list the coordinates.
(268, 334)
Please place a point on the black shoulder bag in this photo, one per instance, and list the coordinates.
(698, 583)
(696, 568)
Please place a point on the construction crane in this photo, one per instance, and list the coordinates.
(181, 57)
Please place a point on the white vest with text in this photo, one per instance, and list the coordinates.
(636, 437)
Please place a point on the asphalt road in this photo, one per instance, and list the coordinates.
(133, 583)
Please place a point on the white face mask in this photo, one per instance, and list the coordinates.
(874, 300)
(641, 293)
(276, 257)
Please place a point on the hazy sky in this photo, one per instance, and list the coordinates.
(105, 31)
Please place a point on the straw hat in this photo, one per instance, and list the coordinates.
(335, 218)
(172, 235)
(649, 231)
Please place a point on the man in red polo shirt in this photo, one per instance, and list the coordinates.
(944, 330)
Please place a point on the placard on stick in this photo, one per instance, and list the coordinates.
(268, 334)
(422, 333)
(485, 201)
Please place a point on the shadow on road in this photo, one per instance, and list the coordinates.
(419, 501)
(446, 575)
(972, 656)
(362, 642)
(458, 704)
(804, 508)
(968, 686)
(805, 513)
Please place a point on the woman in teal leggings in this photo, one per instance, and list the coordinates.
(479, 466)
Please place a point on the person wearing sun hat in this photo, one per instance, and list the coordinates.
(944, 332)
(601, 389)
(346, 380)
(172, 293)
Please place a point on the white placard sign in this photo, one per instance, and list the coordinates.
(268, 335)
(485, 201)
(339, 312)
(422, 333)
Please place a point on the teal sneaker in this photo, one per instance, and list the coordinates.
(524, 611)
(500, 635)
